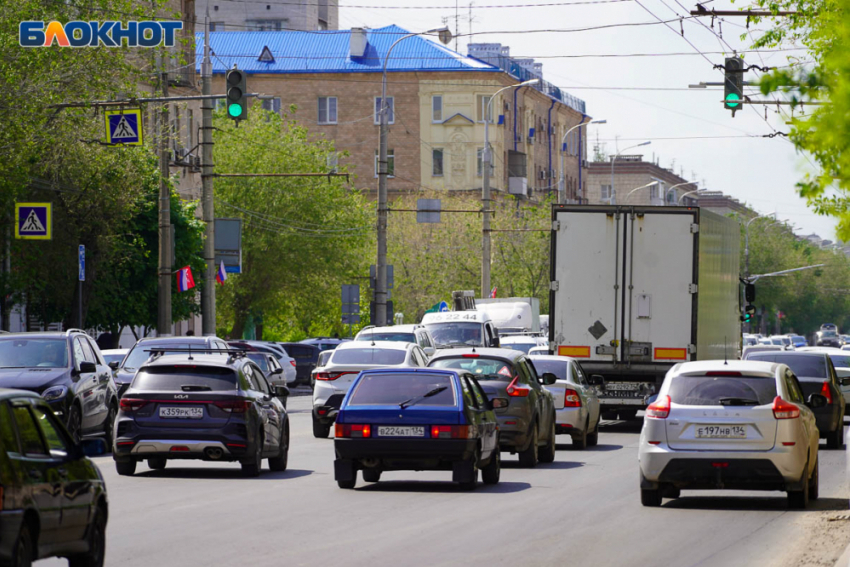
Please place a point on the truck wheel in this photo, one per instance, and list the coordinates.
(320, 430)
(650, 497)
(528, 458)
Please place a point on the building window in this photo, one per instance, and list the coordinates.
(190, 129)
(267, 25)
(437, 108)
(390, 163)
(483, 102)
(216, 26)
(606, 193)
(480, 162)
(323, 25)
(327, 109)
(390, 110)
(437, 166)
(272, 104)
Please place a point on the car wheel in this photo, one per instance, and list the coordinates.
(109, 427)
(835, 439)
(671, 492)
(650, 497)
(252, 466)
(22, 550)
(580, 440)
(473, 482)
(593, 438)
(97, 545)
(157, 463)
(279, 463)
(371, 475)
(75, 422)
(799, 499)
(528, 458)
(493, 471)
(126, 468)
(348, 484)
(547, 453)
(814, 482)
(320, 430)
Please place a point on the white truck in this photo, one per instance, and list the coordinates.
(512, 314)
(636, 290)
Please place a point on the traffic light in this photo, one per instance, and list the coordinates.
(733, 84)
(749, 313)
(750, 292)
(237, 89)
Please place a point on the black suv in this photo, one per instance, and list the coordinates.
(52, 498)
(212, 407)
(68, 371)
(141, 351)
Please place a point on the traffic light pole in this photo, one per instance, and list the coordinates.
(208, 290)
(163, 320)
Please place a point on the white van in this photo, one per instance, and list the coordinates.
(461, 329)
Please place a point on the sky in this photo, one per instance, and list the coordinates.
(729, 154)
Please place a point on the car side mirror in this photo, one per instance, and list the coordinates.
(277, 371)
(86, 366)
(596, 380)
(548, 379)
(429, 351)
(496, 343)
(93, 447)
(816, 401)
(280, 391)
(114, 364)
(845, 381)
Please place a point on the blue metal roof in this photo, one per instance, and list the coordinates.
(328, 52)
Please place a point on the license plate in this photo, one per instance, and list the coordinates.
(622, 386)
(721, 432)
(181, 413)
(404, 431)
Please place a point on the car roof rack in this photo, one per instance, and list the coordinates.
(74, 330)
(234, 353)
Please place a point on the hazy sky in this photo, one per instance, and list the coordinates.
(759, 171)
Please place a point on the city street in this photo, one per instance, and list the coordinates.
(583, 509)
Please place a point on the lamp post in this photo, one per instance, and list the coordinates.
(667, 192)
(629, 194)
(485, 190)
(562, 186)
(689, 192)
(613, 161)
(381, 264)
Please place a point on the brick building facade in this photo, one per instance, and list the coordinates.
(631, 172)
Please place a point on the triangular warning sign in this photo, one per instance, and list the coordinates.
(266, 55)
(123, 129)
(32, 224)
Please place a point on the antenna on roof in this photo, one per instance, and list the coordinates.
(725, 356)
(190, 352)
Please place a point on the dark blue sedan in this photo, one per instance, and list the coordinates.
(413, 419)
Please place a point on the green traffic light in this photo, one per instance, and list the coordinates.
(732, 100)
(234, 110)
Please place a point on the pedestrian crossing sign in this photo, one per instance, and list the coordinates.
(124, 127)
(34, 221)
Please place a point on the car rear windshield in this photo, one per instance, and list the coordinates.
(368, 356)
(185, 378)
(393, 389)
(399, 337)
(31, 353)
(556, 367)
(483, 368)
(722, 390)
(299, 351)
(804, 366)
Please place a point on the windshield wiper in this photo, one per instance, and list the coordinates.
(738, 402)
(416, 400)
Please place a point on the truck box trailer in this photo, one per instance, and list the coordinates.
(636, 290)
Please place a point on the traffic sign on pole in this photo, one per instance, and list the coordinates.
(34, 221)
(124, 127)
(82, 263)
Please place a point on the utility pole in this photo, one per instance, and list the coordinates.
(208, 293)
(163, 320)
(381, 266)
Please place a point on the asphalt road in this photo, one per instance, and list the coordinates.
(583, 509)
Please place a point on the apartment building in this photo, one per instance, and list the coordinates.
(637, 182)
(257, 15)
(437, 99)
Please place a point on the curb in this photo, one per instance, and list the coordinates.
(844, 560)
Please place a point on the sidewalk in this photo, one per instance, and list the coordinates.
(844, 560)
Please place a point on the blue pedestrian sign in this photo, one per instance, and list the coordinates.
(124, 127)
(82, 263)
(34, 221)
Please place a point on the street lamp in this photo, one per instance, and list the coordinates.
(562, 186)
(485, 190)
(613, 161)
(638, 189)
(381, 264)
(689, 192)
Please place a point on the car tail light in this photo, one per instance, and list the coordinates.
(784, 410)
(723, 465)
(826, 393)
(237, 445)
(329, 376)
(233, 406)
(659, 409)
(723, 373)
(352, 430)
(450, 432)
(179, 449)
(131, 404)
(571, 399)
(469, 355)
(517, 391)
(292, 362)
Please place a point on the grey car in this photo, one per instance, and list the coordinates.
(524, 409)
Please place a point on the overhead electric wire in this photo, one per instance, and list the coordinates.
(485, 7)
